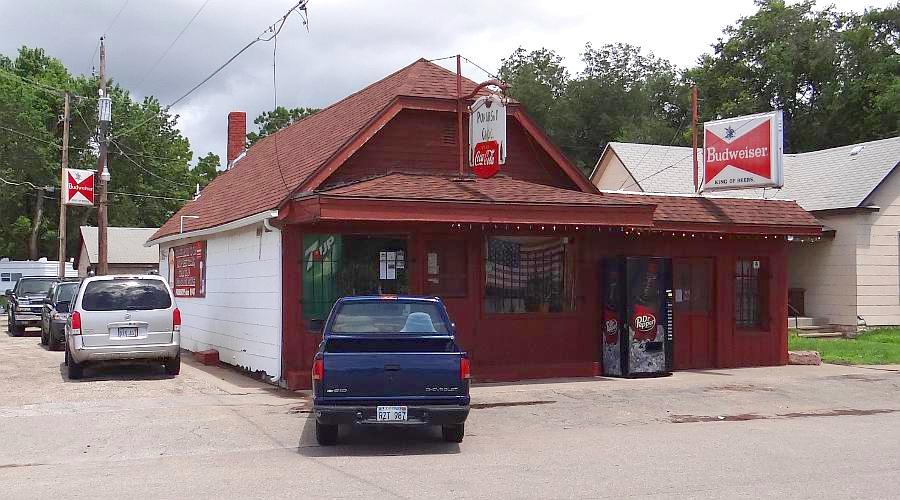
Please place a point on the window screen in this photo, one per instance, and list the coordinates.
(445, 268)
(529, 274)
(749, 293)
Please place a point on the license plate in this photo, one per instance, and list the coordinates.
(390, 413)
(129, 331)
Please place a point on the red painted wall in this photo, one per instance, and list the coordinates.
(424, 141)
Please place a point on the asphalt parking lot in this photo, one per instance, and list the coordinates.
(791, 432)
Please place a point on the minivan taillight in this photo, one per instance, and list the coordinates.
(465, 369)
(176, 320)
(76, 323)
(318, 369)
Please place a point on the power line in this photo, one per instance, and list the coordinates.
(677, 131)
(43, 86)
(26, 183)
(488, 73)
(116, 18)
(165, 52)
(301, 5)
(57, 146)
(138, 165)
(148, 196)
(275, 99)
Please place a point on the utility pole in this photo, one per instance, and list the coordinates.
(459, 117)
(102, 267)
(694, 133)
(62, 190)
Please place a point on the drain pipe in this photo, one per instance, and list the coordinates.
(268, 225)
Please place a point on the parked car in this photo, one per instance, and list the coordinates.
(390, 360)
(55, 313)
(26, 300)
(123, 317)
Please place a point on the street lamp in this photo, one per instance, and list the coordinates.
(187, 217)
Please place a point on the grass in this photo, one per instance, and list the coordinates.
(874, 347)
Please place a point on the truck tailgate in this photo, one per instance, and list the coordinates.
(364, 370)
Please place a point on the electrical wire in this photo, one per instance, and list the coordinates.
(488, 73)
(148, 196)
(677, 131)
(301, 5)
(116, 18)
(43, 86)
(275, 100)
(57, 146)
(165, 52)
(23, 183)
(138, 165)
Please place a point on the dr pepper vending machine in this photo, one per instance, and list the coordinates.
(637, 316)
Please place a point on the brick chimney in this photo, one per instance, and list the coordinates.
(237, 135)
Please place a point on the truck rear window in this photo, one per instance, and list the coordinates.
(34, 287)
(389, 317)
(126, 294)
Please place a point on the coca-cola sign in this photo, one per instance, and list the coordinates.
(487, 136)
(743, 152)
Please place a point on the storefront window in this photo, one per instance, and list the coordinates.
(337, 265)
(529, 274)
(445, 268)
(749, 293)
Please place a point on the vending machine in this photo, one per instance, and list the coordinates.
(637, 316)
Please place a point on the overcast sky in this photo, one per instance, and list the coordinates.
(350, 43)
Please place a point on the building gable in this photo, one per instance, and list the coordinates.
(611, 174)
(424, 142)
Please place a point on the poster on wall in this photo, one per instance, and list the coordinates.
(187, 269)
(743, 152)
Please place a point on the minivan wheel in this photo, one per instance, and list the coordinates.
(326, 435)
(76, 370)
(173, 365)
(453, 433)
(14, 329)
(43, 336)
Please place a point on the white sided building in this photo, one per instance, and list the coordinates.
(849, 277)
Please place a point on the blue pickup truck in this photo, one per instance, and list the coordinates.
(390, 360)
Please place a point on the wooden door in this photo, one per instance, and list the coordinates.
(694, 305)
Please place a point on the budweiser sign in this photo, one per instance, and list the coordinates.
(743, 152)
(79, 187)
(487, 136)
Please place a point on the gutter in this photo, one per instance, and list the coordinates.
(263, 217)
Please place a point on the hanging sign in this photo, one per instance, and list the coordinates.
(189, 272)
(79, 188)
(743, 152)
(487, 136)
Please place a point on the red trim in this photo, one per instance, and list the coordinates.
(357, 141)
(564, 164)
(321, 208)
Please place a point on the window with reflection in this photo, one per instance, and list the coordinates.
(529, 274)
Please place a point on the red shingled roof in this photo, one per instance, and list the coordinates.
(501, 189)
(497, 189)
(254, 184)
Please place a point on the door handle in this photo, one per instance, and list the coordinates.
(391, 368)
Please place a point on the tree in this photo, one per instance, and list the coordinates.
(835, 75)
(270, 122)
(207, 169)
(148, 156)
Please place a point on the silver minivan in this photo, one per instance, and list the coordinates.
(123, 317)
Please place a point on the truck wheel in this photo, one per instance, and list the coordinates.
(44, 340)
(76, 370)
(173, 366)
(14, 329)
(453, 433)
(326, 435)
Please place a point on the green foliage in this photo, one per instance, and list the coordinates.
(207, 169)
(874, 347)
(270, 122)
(147, 155)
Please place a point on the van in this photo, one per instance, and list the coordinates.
(123, 317)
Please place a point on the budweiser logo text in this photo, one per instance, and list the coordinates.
(735, 154)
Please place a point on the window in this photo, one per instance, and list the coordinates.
(749, 293)
(379, 316)
(4, 277)
(126, 294)
(529, 274)
(336, 265)
(34, 286)
(445, 268)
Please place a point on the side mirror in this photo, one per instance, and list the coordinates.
(63, 306)
(8, 292)
(316, 325)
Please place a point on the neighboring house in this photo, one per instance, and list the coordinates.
(12, 270)
(126, 253)
(854, 271)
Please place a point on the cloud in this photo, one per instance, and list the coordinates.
(349, 43)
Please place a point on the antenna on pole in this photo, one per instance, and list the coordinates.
(694, 134)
